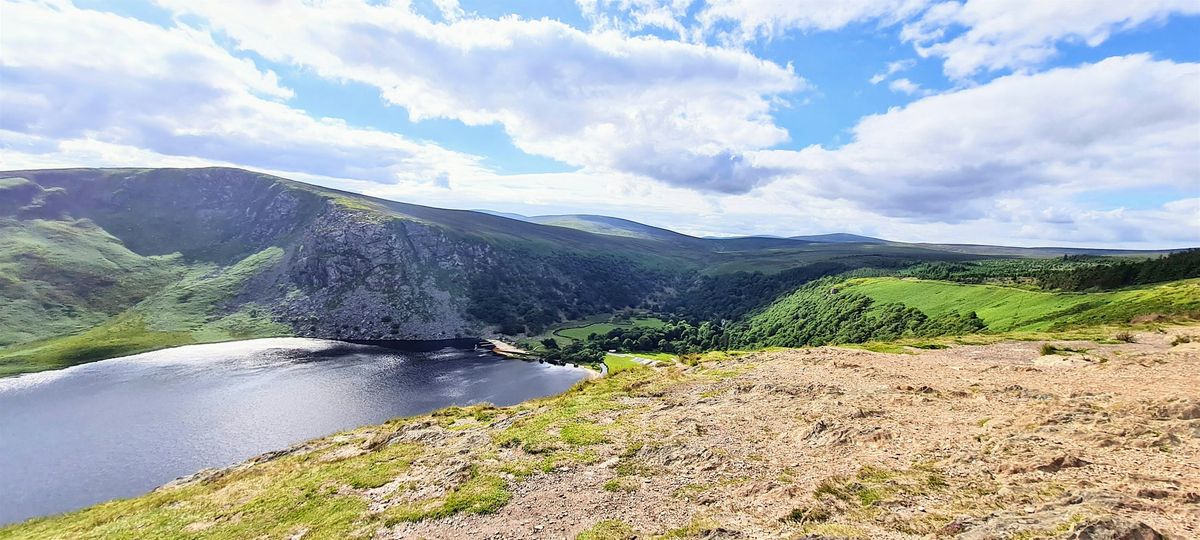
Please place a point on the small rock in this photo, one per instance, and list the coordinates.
(1153, 493)
(1112, 528)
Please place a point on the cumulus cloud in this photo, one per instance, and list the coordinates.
(76, 76)
(906, 86)
(1020, 34)
(971, 36)
(1003, 160)
(1123, 122)
(602, 100)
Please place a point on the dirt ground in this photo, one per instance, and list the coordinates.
(991, 441)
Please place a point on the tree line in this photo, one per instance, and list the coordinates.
(1068, 273)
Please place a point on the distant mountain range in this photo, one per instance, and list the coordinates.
(614, 226)
(611, 226)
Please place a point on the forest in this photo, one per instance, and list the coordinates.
(1068, 273)
(815, 314)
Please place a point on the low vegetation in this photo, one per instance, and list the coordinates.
(1004, 309)
(192, 309)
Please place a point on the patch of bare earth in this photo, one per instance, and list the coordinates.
(991, 441)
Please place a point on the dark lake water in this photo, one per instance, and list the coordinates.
(121, 427)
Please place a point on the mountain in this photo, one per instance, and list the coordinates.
(101, 262)
(508, 215)
(611, 226)
(1049, 251)
(840, 238)
(96, 263)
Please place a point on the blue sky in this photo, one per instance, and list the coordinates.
(985, 121)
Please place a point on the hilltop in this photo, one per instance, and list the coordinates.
(611, 226)
(97, 263)
(999, 440)
(103, 262)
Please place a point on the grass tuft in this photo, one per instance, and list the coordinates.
(608, 529)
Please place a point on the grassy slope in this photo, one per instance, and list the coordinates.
(61, 277)
(1007, 309)
(187, 311)
(323, 490)
(618, 363)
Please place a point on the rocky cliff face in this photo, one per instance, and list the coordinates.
(350, 276)
(352, 267)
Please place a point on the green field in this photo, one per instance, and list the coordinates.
(568, 334)
(1007, 309)
(618, 363)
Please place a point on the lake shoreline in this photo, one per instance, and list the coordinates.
(155, 417)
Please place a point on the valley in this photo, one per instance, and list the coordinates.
(99, 263)
(831, 386)
(599, 270)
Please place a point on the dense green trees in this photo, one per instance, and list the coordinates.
(815, 314)
(527, 293)
(1181, 265)
(732, 296)
(819, 314)
(675, 336)
(1068, 273)
(576, 352)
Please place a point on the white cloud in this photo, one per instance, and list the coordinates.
(685, 114)
(635, 15)
(1123, 122)
(78, 77)
(970, 35)
(755, 19)
(1020, 34)
(1002, 161)
(450, 9)
(892, 69)
(906, 86)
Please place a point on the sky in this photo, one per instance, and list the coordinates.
(1017, 122)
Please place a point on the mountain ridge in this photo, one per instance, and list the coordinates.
(207, 254)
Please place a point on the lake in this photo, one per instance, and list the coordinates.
(119, 428)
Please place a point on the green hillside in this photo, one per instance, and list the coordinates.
(185, 305)
(611, 226)
(96, 263)
(61, 277)
(860, 310)
(1006, 309)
